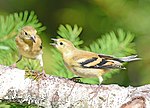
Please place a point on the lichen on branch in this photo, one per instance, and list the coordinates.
(61, 92)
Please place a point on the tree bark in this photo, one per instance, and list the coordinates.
(55, 92)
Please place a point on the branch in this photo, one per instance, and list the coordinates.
(63, 93)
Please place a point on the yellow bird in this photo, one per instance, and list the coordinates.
(88, 64)
(29, 45)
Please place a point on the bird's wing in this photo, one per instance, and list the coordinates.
(21, 44)
(109, 57)
(100, 62)
(37, 46)
(19, 41)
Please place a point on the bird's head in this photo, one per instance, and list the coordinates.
(63, 45)
(28, 33)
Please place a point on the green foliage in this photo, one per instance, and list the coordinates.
(70, 33)
(9, 28)
(16, 105)
(118, 44)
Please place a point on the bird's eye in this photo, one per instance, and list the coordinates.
(61, 43)
(25, 33)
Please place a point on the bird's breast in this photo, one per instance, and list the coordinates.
(28, 52)
(87, 72)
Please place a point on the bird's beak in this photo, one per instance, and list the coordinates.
(32, 38)
(55, 40)
(53, 44)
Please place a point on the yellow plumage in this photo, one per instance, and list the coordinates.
(88, 64)
(29, 44)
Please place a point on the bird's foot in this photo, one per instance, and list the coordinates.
(13, 65)
(76, 79)
(43, 74)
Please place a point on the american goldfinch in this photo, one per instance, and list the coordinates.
(88, 64)
(29, 45)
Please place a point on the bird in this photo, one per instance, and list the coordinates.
(29, 45)
(86, 64)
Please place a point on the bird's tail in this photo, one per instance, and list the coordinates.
(129, 58)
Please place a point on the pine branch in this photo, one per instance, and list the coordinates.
(70, 33)
(119, 44)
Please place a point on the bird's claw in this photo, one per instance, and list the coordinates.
(76, 79)
(13, 65)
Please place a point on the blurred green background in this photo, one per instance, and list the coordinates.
(96, 17)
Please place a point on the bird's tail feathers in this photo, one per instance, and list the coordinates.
(129, 58)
